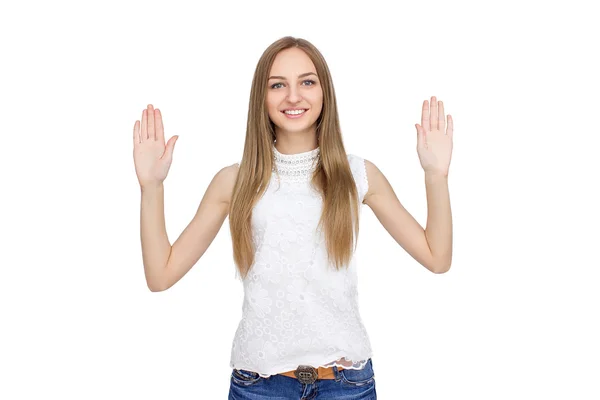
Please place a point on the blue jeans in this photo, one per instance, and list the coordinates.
(350, 384)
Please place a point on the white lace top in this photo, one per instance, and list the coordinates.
(297, 310)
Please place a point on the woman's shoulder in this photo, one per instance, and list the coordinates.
(358, 167)
(230, 170)
(357, 163)
(360, 164)
(224, 180)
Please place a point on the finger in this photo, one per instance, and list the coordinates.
(160, 131)
(420, 136)
(171, 147)
(434, 114)
(136, 133)
(450, 132)
(425, 116)
(151, 134)
(441, 117)
(144, 135)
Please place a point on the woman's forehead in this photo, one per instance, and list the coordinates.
(292, 63)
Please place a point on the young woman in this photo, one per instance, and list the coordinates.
(294, 202)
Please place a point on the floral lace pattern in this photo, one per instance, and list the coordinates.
(298, 309)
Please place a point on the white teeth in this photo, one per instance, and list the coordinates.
(294, 112)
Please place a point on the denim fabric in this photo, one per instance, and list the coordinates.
(349, 384)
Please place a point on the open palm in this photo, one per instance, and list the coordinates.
(434, 138)
(151, 157)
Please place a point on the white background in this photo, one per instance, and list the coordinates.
(515, 317)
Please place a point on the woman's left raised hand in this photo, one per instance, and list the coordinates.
(434, 139)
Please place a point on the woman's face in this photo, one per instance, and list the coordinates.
(293, 83)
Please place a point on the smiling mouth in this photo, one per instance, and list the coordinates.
(295, 112)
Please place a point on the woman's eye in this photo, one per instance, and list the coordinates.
(312, 83)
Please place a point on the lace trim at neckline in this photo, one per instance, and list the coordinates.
(295, 167)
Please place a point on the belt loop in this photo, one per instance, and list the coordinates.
(336, 373)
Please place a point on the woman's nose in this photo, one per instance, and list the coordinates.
(294, 95)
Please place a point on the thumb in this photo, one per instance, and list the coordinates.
(419, 135)
(171, 146)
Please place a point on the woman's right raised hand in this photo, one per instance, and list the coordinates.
(151, 157)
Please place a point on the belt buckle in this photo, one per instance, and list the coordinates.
(306, 374)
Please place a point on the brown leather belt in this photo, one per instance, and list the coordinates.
(308, 374)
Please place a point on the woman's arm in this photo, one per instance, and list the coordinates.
(402, 226)
(155, 243)
(164, 264)
(439, 220)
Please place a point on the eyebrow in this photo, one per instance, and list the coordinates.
(299, 76)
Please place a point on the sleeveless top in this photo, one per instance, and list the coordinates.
(297, 308)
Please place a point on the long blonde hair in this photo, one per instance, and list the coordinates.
(332, 177)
